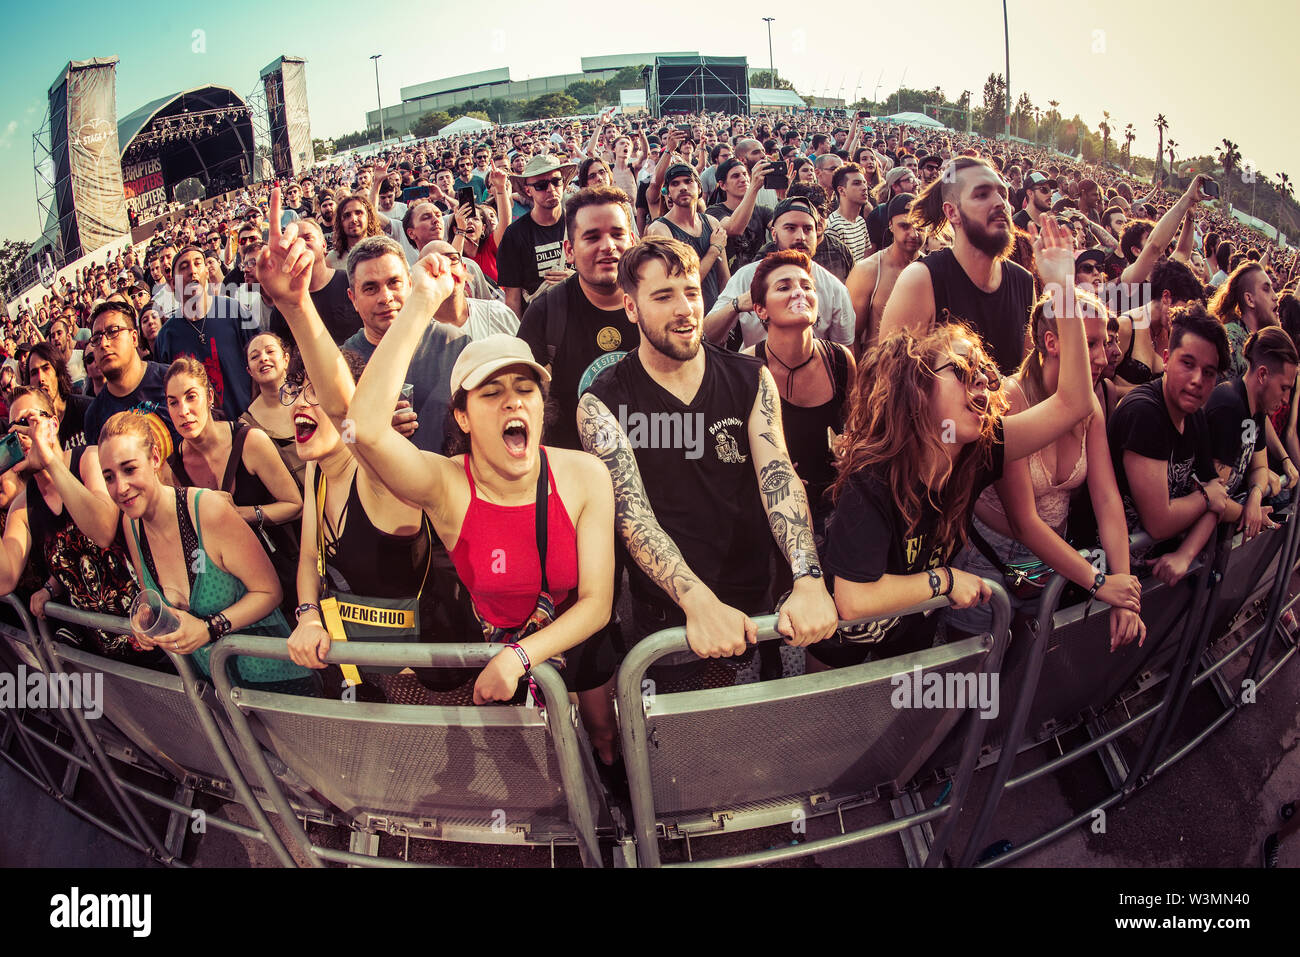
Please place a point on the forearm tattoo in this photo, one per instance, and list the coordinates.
(650, 546)
(784, 498)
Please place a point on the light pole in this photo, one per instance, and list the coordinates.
(1006, 40)
(771, 63)
(378, 100)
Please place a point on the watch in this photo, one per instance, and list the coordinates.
(807, 569)
(1096, 585)
(304, 608)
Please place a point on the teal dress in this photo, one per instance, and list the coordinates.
(213, 590)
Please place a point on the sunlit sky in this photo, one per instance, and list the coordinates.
(1213, 70)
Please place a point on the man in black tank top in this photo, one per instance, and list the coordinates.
(692, 437)
(973, 281)
(698, 230)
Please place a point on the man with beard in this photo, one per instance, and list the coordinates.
(972, 281)
(702, 233)
(356, 220)
(579, 328)
(698, 517)
(216, 330)
(326, 207)
(794, 226)
(130, 383)
(872, 280)
(531, 253)
(1038, 193)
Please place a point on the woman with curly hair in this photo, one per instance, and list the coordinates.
(928, 430)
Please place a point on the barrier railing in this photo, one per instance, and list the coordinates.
(747, 776)
(329, 770)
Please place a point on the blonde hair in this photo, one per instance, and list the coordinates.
(137, 425)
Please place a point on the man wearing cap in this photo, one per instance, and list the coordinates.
(872, 280)
(794, 226)
(899, 180)
(928, 167)
(1090, 271)
(706, 519)
(1038, 200)
(532, 250)
(702, 233)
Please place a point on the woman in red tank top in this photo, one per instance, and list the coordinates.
(481, 504)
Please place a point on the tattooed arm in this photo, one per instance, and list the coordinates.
(809, 614)
(713, 629)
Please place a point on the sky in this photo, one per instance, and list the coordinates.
(1133, 59)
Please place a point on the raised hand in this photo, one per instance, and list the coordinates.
(1055, 254)
(284, 266)
(435, 277)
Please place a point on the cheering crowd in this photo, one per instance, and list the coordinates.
(480, 387)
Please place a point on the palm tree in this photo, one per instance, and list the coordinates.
(1129, 137)
(1285, 192)
(1104, 126)
(1229, 159)
(1169, 148)
(1056, 119)
(1162, 124)
(1038, 121)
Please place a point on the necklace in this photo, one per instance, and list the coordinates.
(791, 370)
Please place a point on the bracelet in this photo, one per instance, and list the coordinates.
(54, 587)
(218, 626)
(1209, 506)
(935, 582)
(305, 607)
(951, 581)
(523, 656)
(261, 519)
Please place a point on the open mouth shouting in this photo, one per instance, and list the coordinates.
(515, 436)
(304, 427)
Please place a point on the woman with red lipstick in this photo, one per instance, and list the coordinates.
(483, 504)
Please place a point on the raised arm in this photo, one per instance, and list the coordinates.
(809, 614)
(738, 221)
(1031, 430)
(712, 628)
(85, 496)
(412, 475)
(499, 180)
(1163, 233)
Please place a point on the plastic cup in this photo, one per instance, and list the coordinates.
(150, 615)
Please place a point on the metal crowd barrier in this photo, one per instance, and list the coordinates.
(499, 775)
(1068, 674)
(748, 756)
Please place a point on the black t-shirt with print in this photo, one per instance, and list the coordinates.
(1141, 424)
(744, 249)
(698, 471)
(336, 311)
(1235, 434)
(867, 539)
(590, 341)
(527, 251)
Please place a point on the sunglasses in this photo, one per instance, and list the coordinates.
(545, 185)
(1086, 269)
(966, 370)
